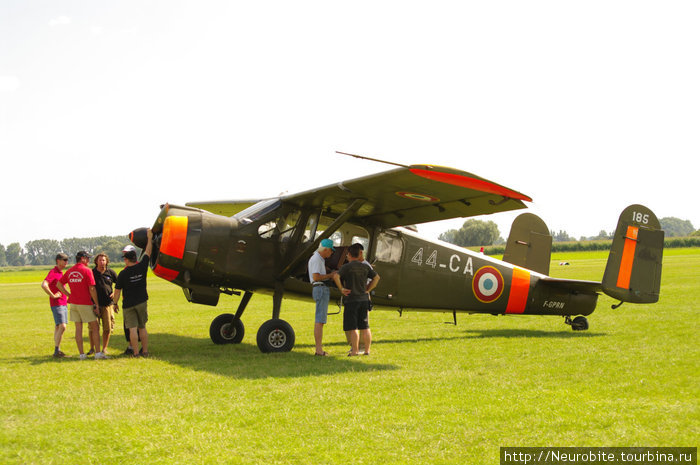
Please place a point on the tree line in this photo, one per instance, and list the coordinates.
(474, 233)
(43, 251)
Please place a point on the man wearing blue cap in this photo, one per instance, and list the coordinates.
(321, 293)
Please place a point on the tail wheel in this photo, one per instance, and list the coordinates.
(275, 336)
(225, 330)
(580, 323)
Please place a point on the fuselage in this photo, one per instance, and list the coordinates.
(269, 245)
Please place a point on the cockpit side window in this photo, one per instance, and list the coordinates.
(310, 229)
(287, 224)
(389, 248)
(257, 211)
(281, 227)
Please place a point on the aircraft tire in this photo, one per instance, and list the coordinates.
(275, 335)
(221, 332)
(580, 323)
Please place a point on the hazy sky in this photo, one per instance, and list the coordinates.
(109, 109)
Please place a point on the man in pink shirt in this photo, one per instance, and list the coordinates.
(83, 301)
(57, 301)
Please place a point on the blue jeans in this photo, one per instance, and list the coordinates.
(321, 294)
(60, 314)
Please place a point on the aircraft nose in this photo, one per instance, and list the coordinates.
(139, 237)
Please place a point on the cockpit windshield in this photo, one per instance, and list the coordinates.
(257, 211)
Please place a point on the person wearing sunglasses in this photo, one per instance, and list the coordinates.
(58, 302)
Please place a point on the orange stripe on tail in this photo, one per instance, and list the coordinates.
(623, 277)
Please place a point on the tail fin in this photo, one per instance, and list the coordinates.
(529, 244)
(633, 272)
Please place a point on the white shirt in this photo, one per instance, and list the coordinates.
(316, 265)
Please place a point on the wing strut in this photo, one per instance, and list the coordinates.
(309, 250)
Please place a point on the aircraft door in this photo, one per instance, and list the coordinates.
(386, 260)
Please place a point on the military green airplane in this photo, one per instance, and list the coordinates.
(262, 246)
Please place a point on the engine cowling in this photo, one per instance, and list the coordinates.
(189, 244)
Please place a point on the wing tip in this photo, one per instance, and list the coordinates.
(467, 180)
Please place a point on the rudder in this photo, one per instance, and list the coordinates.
(633, 271)
(529, 244)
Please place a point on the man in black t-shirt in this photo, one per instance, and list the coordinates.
(132, 281)
(352, 279)
(105, 278)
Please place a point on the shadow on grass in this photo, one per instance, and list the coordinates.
(246, 361)
(528, 333)
(235, 360)
(493, 333)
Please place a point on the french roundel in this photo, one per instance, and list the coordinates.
(415, 196)
(487, 284)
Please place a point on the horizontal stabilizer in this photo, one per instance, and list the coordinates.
(573, 285)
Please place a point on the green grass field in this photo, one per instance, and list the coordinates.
(431, 393)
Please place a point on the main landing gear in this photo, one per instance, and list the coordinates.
(274, 335)
(580, 323)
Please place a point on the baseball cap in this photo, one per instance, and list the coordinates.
(328, 243)
(82, 254)
(129, 248)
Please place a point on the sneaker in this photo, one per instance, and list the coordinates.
(92, 351)
(100, 356)
(58, 355)
(129, 351)
(83, 357)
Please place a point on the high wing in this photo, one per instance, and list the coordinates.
(399, 197)
(412, 195)
(224, 207)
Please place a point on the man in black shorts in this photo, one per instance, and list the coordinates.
(351, 279)
(132, 282)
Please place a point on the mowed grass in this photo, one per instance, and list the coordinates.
(431, 393)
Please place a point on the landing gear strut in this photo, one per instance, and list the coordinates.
(580, 323)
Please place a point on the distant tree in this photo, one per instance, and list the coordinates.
(602, 235)
(73, 245)
(473, 232)
(561, 236)
(14, 254)
(113, 249)
(3, 258)
(675, 227)
(42, 251)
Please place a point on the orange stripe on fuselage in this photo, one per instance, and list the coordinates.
(519, 290)
(623, 277)
(174, 236)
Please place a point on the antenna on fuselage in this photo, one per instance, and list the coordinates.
(372, 159)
